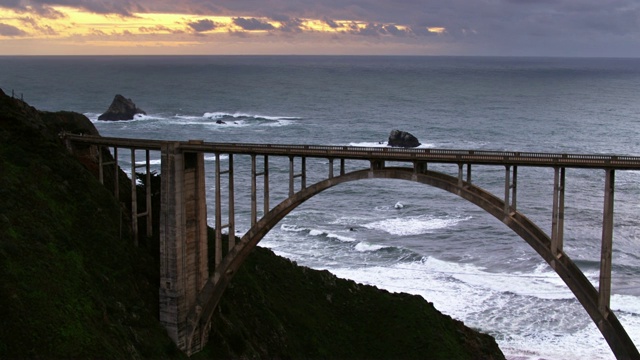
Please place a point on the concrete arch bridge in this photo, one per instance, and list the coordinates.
(189, 294)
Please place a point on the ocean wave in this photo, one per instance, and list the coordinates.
(220, 119)
(316, 232)
(244, 116)
(364, 246)
(329, 235)
(416, 225)
(93, 117)
(292, 228)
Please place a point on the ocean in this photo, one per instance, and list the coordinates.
(403, 236)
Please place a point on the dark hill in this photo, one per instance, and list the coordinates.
(74, 286)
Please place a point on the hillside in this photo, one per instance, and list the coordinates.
(74, 286)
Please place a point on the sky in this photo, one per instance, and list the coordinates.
(572, 28)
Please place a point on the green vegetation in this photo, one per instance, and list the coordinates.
(74, 286)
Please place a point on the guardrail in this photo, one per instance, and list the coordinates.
(486, 157)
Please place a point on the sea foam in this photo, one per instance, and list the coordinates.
(415, 225)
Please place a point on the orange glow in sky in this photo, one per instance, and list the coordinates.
(75, 31)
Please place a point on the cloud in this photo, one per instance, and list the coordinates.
(501, 27)
(252, 24)
(11, 31)
(291, 25)
(202, 25)
(159, 29)
(41, 10)
(42, 29)
(332, 24)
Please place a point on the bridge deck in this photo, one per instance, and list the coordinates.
(384, 153)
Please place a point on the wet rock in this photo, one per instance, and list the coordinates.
(399, 138)
(121, 109)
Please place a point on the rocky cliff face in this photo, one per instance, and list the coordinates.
(74, 286)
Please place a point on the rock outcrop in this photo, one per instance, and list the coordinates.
(399, 138)
(121, 109)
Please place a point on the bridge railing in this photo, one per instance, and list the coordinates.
(487, 157)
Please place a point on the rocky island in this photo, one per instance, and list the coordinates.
(121, 108)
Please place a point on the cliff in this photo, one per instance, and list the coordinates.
(74, 286)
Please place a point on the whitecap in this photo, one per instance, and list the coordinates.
(416, 225)
(543, 284)
(93, 117)
(365, 247)
(291, 228)
(314, 232)
(340, 237)
(144, 117)
(240, 115)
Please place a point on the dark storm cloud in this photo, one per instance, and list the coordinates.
(252, 24)
(11, 31)
(202, 25)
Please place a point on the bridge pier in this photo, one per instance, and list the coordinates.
(510, 189)
(604, 291)
(557, 217)
(183, 243)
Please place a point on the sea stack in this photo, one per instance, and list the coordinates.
(121, 109)
(404, 139)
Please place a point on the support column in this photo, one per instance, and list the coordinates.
(419, 167)
(266, 184)
(254, 198)
(507, 186)
(514, 187)
(557, 221)
(291, 176)
(148, 194)
(510, 189)
(604, 291)
(134, 200)
(331, 168)
(183, 241)
(303, 174)
(100, 165)
(218, 205)
(232, 221)
(116, 172)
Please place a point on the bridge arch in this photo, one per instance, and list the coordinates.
(576, 281)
